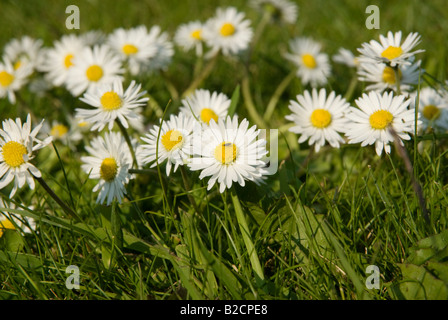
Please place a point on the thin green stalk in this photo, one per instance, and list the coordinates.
(249, 103)
(277, 94)
(401, 150)
(58, 200)
(202, 76)
(165, 196)
(126, 136)
(186, 181)
(397, 79)
(255, 262)
(351, 87)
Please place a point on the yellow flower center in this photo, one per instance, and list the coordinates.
(196, 34)
(129, 49)
(227, 29)
(13, 153)
(59, 130)
(431, 112)
(309, 61)
(68, 61)
(226, 152)
(321, 118)
(108, 169)
(5, 224)
(389, 75)
(171, 140)
(94, 73)
(208, 114)
(392, 52)
(6, 78)
(110, 101)
(380, 119)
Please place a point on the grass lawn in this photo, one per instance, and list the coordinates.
(309, 233)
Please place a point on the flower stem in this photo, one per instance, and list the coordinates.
(249, 103)
(276, 96)
(58, 200)
(397, 79)
(188, 188)
(204, 74)
(401, 150)
(128, 141)
(351, 87)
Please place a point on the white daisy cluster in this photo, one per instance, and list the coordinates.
(204, 137)
(227, 32)
(104, 74)
(390, 63)
(21, 58)
(82, 63)
(382, 112)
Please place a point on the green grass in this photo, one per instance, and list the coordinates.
(309, 233)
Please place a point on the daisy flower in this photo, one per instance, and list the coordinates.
(433, 109)
(227, 31)
(205, 105)
(164, 50)
(112, 103)
(313, 65)
(109, 161)
(376, 113)
(345, 56)
(390, 49)
(25, 51)
(60, 58)
(229, 152)
(319, 118)
(17, 146)
(12, 222)
(12, 80)
(188, 36)
(173, 145)
(135, 46)
(280, 10)
(384, 77)
(92, 68)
